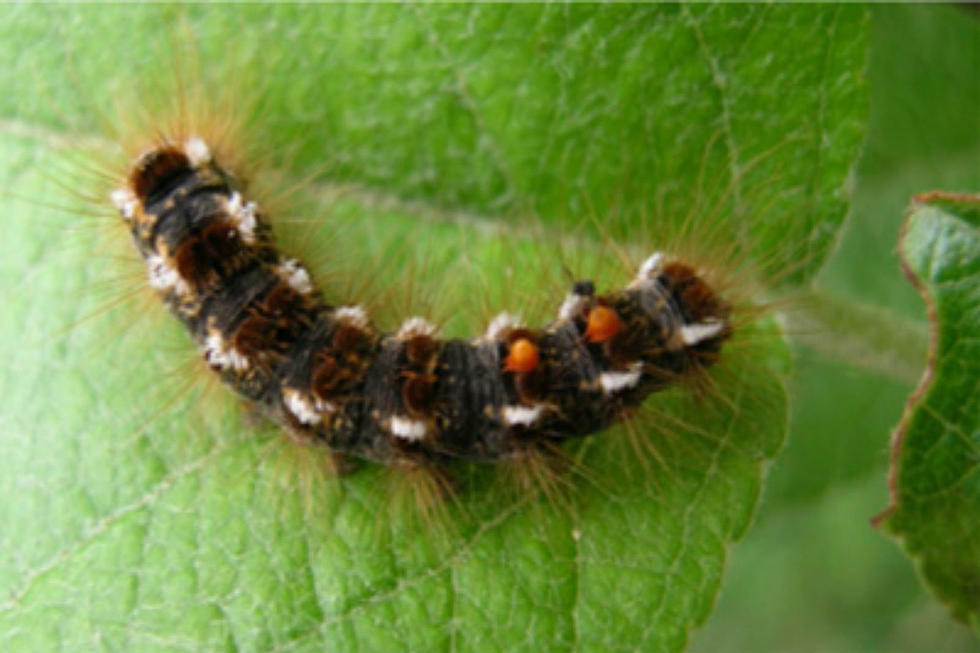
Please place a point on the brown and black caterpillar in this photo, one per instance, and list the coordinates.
(405, 398)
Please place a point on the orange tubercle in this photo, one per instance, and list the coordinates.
(603, 324)
(523, 356)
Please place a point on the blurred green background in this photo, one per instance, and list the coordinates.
(812, 574)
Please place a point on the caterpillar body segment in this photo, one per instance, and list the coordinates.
(330, 377)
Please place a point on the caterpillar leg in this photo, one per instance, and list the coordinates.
(343, 464)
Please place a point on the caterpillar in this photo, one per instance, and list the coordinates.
(404, 398)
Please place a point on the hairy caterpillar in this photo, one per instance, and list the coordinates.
(329, 377)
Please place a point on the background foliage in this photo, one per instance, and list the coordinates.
(109, 537)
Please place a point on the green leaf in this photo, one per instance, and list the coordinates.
(935, 483)
(136, 517)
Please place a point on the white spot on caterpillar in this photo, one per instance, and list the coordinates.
(197, 151)
(573, 306)
(126, 202)
(650, 267)
(501, 325)
(352, 315)
(515, 414)
(692, 334)
(294, 274)
(407, 428)
(615, 381)
(300, 406)
(244, 215)
(415, 326)
(218, 354)
(163, 276)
